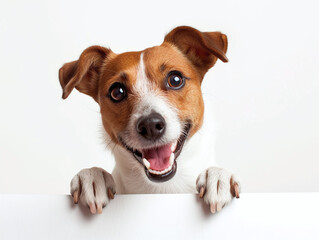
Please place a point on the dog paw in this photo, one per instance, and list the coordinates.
(217, 187)
(93, 187)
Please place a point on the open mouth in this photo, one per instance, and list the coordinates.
(160, 162)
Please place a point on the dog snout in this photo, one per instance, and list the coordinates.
(151, 127)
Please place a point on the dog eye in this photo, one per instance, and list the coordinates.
(175, 80)
(117, 92)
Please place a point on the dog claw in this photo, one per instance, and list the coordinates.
(212, 208)
(76, 197)
(236, 188)
(201, 192)
(218, 207)
(92, 208)
(110, 193)
(99, 209)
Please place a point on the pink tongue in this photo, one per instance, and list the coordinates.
(158, 157)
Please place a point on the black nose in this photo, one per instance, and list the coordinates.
(151, 127)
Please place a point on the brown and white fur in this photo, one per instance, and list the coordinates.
(134, 85)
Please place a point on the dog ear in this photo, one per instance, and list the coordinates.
(201, 48)
(84, 73)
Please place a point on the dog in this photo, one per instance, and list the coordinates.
(152, 109)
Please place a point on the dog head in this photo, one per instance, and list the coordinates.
(150, 101)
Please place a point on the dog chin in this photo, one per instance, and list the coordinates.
(159, 162)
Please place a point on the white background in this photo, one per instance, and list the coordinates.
(265, 99)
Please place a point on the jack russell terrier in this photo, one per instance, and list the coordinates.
(152, 109)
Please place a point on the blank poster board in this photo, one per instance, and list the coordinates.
(171, 216)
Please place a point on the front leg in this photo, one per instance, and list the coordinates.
(93, 187)
(217, 186)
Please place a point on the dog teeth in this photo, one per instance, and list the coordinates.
(146, 163)
(161, 172)
(173, 146)
(154, 171)
(171, 159)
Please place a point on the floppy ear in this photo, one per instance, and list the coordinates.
(84, 73)
(201, 48)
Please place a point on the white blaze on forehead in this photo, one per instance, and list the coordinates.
(150, 99)
(142, 86)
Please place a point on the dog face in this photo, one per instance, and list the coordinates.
(151, 100)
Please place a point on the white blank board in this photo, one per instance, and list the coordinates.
(180, 216)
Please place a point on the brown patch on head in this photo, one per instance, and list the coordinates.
(163, 67)
(159, 62)
(123, 69)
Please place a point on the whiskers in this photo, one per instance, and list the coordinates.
(106, 140)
